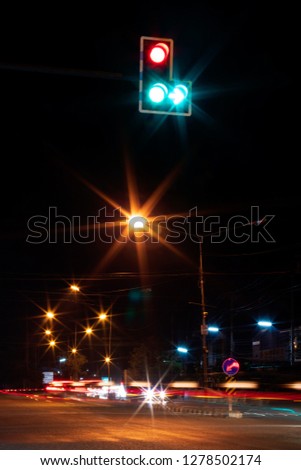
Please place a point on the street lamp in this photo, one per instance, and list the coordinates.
(213, 329)
(204, 328)
(139, 224)
(108, 362)
(105, 317)
(265, 323)
(263, 340)
(74, 288)
(181, 349)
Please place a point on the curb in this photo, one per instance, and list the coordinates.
(201, 411)
(198, 411)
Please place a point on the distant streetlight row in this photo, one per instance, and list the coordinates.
(102, 316)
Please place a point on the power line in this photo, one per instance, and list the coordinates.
(63, 71)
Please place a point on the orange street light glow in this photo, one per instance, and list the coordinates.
(74, 288)
(143, 219)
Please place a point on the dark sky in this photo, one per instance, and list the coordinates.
(69, 109)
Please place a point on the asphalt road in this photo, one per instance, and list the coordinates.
(45, 423)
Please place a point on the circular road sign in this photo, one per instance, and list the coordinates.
(230, 366)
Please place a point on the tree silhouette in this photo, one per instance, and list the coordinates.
(74, 364)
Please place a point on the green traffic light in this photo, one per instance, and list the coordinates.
(178, 94)
(169, 94)
(158, 93)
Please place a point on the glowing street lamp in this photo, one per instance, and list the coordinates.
(213, 329)
(102, 316)
(204, 328)
(181, 349)
(265, 323)
(108, 362)
(138, 227)
(74, 288)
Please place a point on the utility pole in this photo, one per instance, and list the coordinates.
(204, 328)
(292, 331)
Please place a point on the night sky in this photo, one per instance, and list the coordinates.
(71, 129)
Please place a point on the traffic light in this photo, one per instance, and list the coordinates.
(159, 92)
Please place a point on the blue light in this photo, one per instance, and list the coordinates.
(213, 329)
(265, 323)
(182, 350)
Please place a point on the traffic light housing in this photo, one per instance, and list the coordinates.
(159, 92)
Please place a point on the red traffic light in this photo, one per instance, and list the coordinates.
(159, 53)
(156, 57)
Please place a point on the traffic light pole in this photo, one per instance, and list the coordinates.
(204, 329)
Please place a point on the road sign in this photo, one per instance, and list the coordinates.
(230, 366)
